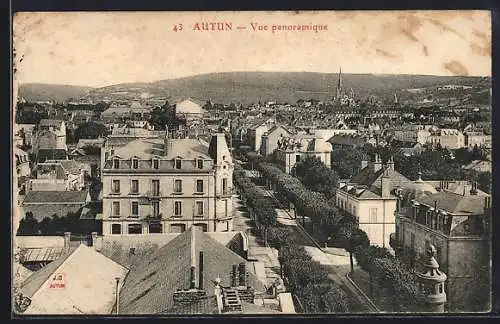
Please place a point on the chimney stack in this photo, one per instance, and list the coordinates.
(200, 276)
(117, 279)
(377, 165)
(67, 238)
(242, 275)
(234, 276)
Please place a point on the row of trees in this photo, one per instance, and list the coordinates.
(316, 176)
(306, 279)
(56, 225)
(261, 206)
(398, 280)
(434, 163)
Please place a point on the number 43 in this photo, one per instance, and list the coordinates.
(177, 27)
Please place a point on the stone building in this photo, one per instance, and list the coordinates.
(162, 186)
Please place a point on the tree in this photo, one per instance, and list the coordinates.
(316, 176)
(354, 238)
(365, 257)
(28, 225)
(90, 130)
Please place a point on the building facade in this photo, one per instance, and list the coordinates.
(458, 226)
(165, 186)
(369, 196)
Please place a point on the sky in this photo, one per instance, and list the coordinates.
(105, 48)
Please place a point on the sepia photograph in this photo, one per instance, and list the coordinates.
(223, 163)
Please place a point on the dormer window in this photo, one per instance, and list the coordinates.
(116, 163)
(178, 164)
(199, 164)
(156, 163)
(135, 163)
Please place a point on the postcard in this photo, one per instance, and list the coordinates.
(240, 163)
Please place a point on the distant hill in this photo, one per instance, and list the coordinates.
(248, 87)
(51, 92)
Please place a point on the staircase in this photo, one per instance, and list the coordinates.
(232, 302)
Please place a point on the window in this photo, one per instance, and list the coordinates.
(135, 229)
(116, 164)
(373, 215)
(178, 186)
(199, 186)
(135, 208)
(224, 186)
(177, 208)
(116, 228)
(199, 208)
(116, 186)
(155, 228)
(156, 164)
(156, 209)
(135, 163)
(354, 210)
(155, 184)
(135, 186)
(116, 208)
(199, 164)
(297, 158)
(441, 288)
(178, 163)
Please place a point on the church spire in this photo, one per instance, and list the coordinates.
(339, 85)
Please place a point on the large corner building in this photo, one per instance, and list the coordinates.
(154, 186)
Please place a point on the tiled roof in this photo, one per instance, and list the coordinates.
(456, 204)
(202, 306)
(355, 140)
(89, 279)
(153, 279)
(368, 178)
(44, 254)
(51, 154)
(77, 197)
(37, 279)
(51, 122)
(186, 148)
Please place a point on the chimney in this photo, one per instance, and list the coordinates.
(67, 238)
(377, 165)
(193, 260)
(473, 191)
(94, 239)
(166, 141)
(200, 276)
(390, 164)
(385, 186)
(234, 276)
(117, 295)
(242, 275)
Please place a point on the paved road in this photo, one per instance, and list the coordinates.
(338, 264)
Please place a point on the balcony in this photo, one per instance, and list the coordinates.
(153, 217)
(153, 194)
(226, 193)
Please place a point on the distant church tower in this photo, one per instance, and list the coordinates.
(338, 90)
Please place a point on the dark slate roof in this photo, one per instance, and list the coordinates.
(153, 278)
(202, 306)
(51, 154)
(37, 279)
(51, 122)
(77, 197)
(368, 178)
(351, 140)
(454, 203)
